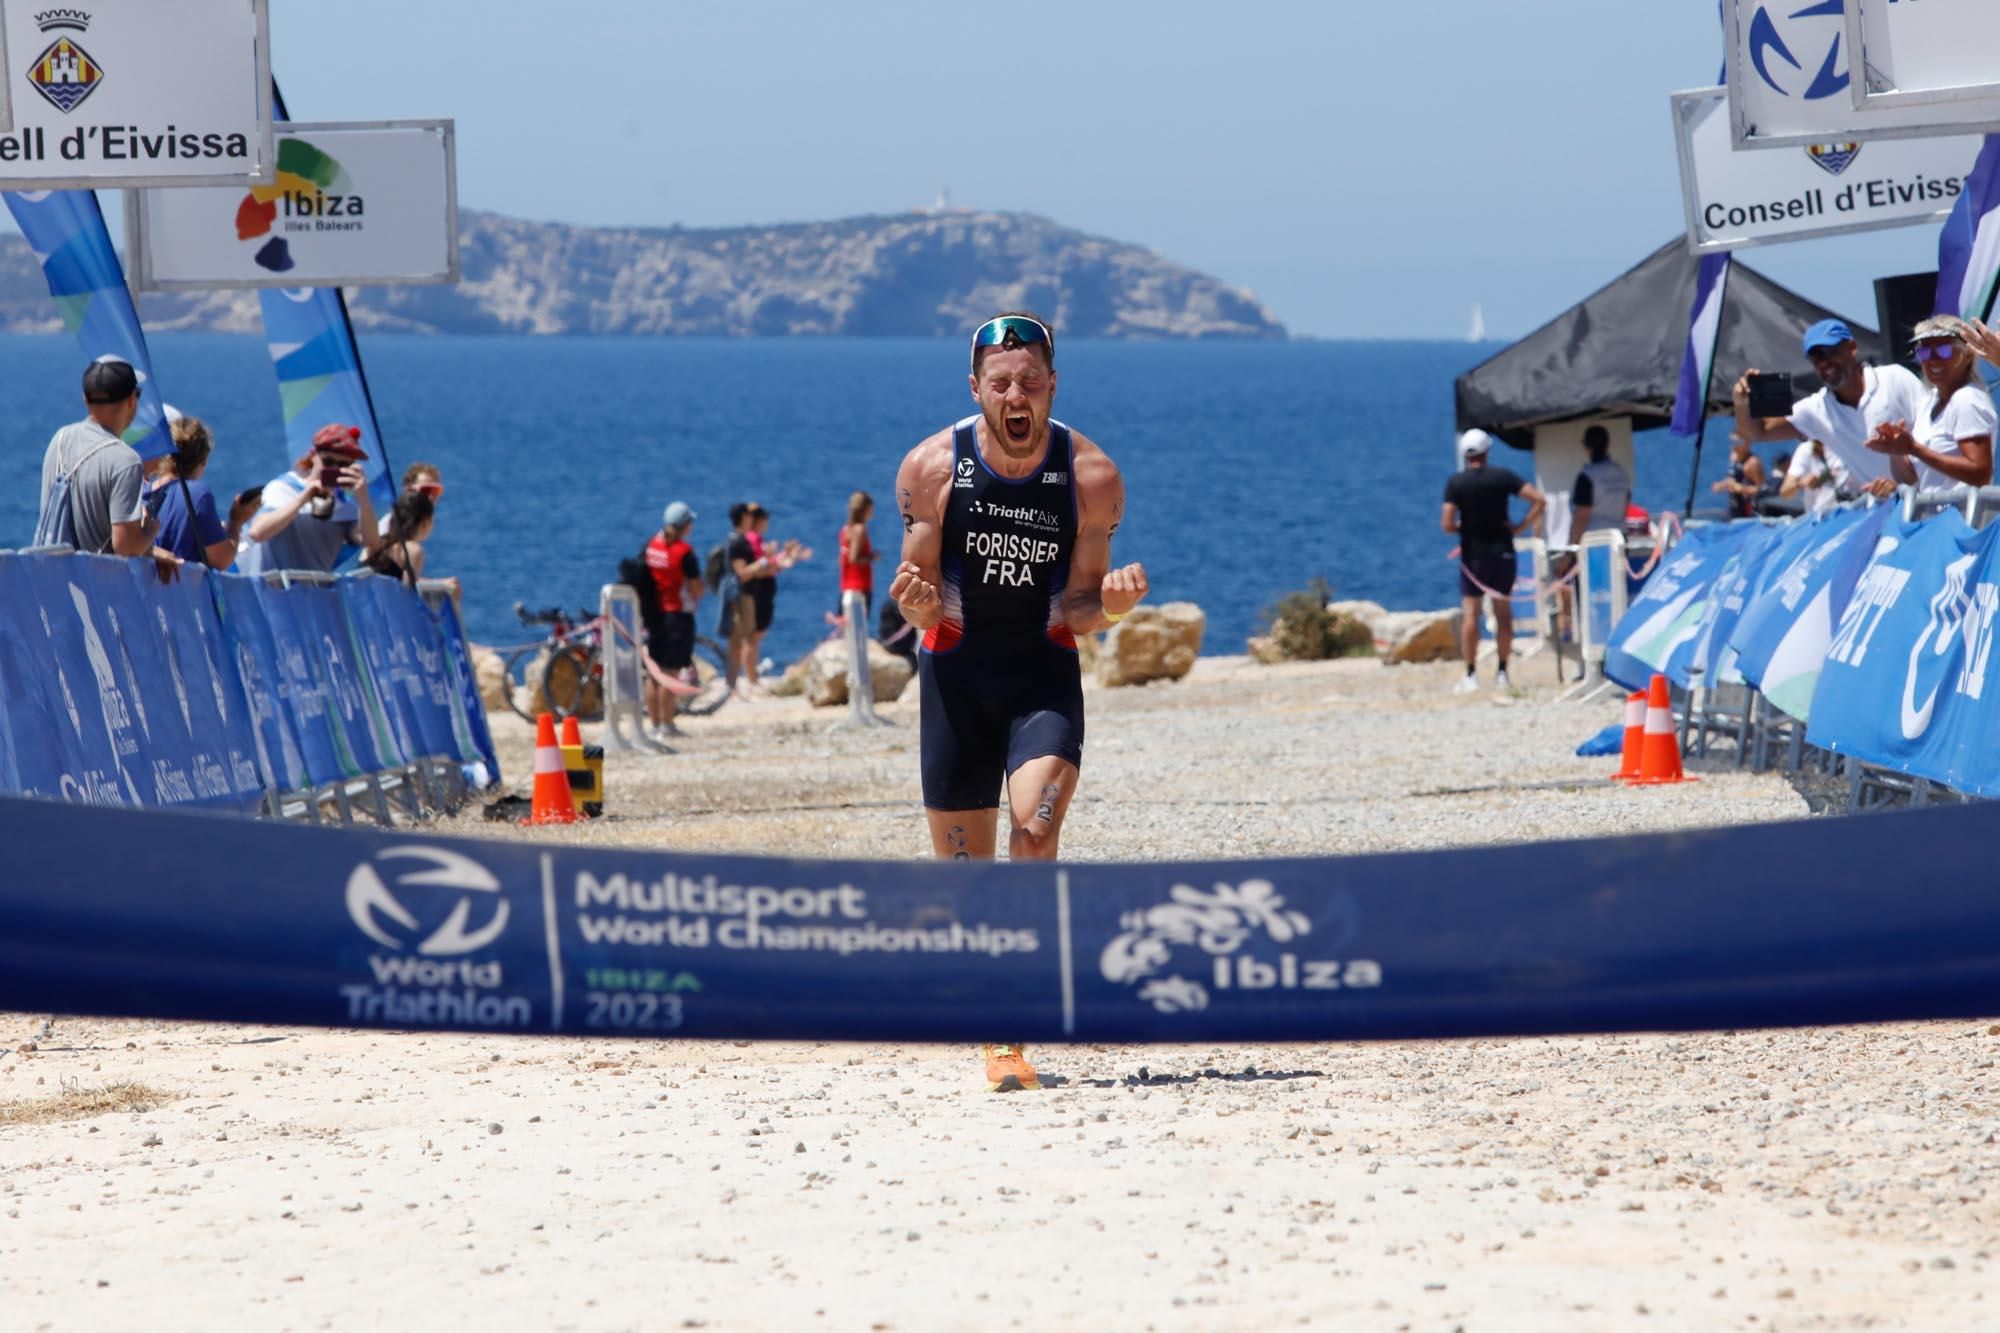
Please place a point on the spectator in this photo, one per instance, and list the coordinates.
(313, 513)
(1815, 478)
(1745, 481)
(776, 556)
(1951, 441)
(93, 484)
(206, 539)
(670, 619)
(737, 623)
(1854, 399)
(401, 554)
(1475, 507)
(1602, 490)
(419, 479)
(857, 554)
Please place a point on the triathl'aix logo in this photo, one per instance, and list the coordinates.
(65, 73)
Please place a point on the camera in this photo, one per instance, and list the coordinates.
(1771, 395)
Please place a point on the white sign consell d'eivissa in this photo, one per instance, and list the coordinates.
(1737, 199)
(135, 93)
(1786, 65)
(1927, 53)
(367, 203)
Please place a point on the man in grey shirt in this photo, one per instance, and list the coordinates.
(107, 480)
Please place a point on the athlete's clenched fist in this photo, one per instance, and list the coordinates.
(919, 600)
(1122, 589)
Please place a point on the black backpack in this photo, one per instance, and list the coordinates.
(636, 574)
(716, 568)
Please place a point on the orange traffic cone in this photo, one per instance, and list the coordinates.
(1660, 749)
(1635, 733)
(552, 803)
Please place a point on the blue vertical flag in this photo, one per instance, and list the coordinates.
(65, 229)
(1969, 245)
(319, 370)
(1698, 361)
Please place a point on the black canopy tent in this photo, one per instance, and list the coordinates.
(1618, 351)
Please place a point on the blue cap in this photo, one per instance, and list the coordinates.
(1827, 333)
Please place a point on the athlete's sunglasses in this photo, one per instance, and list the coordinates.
(1943, 351)
(1009, 331)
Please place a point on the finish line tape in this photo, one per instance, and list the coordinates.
(187, 916)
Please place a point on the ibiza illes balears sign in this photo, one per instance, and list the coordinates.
(135, 93)
(355, 204)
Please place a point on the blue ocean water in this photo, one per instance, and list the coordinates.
(1250, 468)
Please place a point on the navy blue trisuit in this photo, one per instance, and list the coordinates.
(999, 675)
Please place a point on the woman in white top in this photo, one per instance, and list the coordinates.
(1952, 440)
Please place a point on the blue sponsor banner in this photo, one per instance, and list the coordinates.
(468, 710)
(1667, 612)
(102, 747)
(306, 699)
(388, 730)
(367, 929)
(1907, 683)
(322, 626)
(422, 672)
(1708, 649)
(41, 744)
(1783, 636)
(209, 694)
(247, 635)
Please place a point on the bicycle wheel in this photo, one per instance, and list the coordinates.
(709, 674)
(521, 694)
(565, 685)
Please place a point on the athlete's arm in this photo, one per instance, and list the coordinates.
(1096, 591)
(1536, 500)
(921, 487)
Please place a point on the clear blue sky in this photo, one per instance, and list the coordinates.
(1369, 169)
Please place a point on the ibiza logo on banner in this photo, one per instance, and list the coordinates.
(1215, 934)
(1796, 48)
(313, 193)
(65, 73)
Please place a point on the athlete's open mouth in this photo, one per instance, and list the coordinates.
(1020, 427)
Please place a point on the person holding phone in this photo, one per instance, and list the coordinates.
(312, 514)
(1853, 400)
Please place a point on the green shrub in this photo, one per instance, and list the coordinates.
(1301, 629)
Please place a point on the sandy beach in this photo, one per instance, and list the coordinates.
(186, 1176)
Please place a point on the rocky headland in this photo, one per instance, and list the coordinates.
(917, 274)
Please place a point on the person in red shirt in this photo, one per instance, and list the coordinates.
(857, 554)
(670, 631)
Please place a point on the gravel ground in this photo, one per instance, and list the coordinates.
(1814, 1179)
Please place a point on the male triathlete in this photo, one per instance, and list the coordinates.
(1007, 524)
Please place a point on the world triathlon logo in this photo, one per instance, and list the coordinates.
(1813, 32)
(435, 884)
(65, 74)
(311, 194)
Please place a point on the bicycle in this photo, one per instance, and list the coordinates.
(563, 674)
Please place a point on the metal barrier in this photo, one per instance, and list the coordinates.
(624, 669)
(1600, 604)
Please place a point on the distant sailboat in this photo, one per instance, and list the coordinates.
(1477, 333)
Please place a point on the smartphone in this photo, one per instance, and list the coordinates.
(329, 477)
(1771, 395)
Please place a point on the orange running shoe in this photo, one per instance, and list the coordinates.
(1006, 1061)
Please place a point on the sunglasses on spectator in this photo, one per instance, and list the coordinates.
(433, 489)
(1010, 331)
(1941, 351)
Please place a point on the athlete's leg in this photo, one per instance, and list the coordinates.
(963, 835)
(1503, 628)
(1038, 797)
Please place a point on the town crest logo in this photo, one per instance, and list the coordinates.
(65, 73)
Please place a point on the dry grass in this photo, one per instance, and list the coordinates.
(80, 1103)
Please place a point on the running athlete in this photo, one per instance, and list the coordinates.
(1007, 525)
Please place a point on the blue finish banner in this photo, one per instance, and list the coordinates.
(1666, 615)
(1906, 679)
(370, 929)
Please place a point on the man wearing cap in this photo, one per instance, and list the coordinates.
(107, 480)
(1476, 503)
(1854, 401)
(313, 513)
(1007, 524)
(670, 620)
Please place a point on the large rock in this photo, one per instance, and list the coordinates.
(491, 674)
(1153, 643)
(1417, 636)
(826, 673)
(1367, 613)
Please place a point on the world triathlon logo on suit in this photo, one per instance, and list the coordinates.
(428, 910)
(64, 73)
(1224, 924)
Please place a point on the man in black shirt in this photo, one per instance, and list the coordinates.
(1475, 507)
